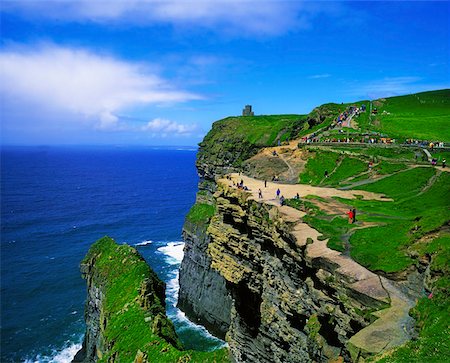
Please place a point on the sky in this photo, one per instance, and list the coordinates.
(159, 72)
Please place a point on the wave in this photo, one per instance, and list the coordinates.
(174, 252)
(144, 243)
(65, 355)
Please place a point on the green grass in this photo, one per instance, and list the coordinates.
(330, 229)
(348, 167)
(377, 151)
(385, 168)
(402, 222)
(316, 166)
(235, 139)
(423, 116)
(201, 213)
(119, 272)
(432, 315)
(406, 183)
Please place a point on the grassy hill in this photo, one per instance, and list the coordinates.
(424, 116)
(235, 139)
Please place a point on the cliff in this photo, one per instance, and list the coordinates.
(125, 311)
(301, 284)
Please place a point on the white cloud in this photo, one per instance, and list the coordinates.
(267, 17)
(78, 83)
(164, 127)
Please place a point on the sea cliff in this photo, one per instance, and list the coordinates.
(125, 311)
(269, 280)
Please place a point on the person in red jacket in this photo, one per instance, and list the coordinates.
(350, 216)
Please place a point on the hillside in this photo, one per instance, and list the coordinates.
(423, 116)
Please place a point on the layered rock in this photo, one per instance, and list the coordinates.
(287, 305)
(203, 296)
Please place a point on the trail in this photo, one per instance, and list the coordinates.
(338, 164)
(374, 180)
(290, 190)
(291, 170)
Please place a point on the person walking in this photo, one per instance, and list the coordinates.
(278, 193)
(260, 194)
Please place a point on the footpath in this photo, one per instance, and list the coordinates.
(393, 323)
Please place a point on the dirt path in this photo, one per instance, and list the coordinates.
(290, 190)
(430, 182)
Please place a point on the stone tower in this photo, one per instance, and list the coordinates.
(247, 111)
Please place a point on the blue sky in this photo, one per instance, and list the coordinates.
(160, 72)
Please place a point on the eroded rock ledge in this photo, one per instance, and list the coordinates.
(293, 299)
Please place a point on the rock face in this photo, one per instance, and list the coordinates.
(287, 307)
(292, 298)
(203, 295)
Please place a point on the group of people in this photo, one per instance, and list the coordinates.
(425, 143)
(239, 185)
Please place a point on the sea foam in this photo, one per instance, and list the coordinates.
(144, 243)
(174, 252)
(65, 355)
(174, 255)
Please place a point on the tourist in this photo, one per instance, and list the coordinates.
(265, 183)
(282, 200)
(260, 194)
(350, 216)
(278, 193)
(354, 215)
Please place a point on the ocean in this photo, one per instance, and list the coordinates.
(57, 201)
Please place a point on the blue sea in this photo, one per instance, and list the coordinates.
(57, 201)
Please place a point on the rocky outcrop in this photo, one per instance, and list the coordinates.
(293, 298)
(203, 296)
(125, 306)
(287, 307)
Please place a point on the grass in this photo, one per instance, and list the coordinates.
(402, 221)
(331, 229)
(431, 314)
(235, 139)
(401, 185)
(317, 165)
(385, 168)
(120, 272)
(378, 152)
(201, 213)
(423, 116)
(348, 167)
